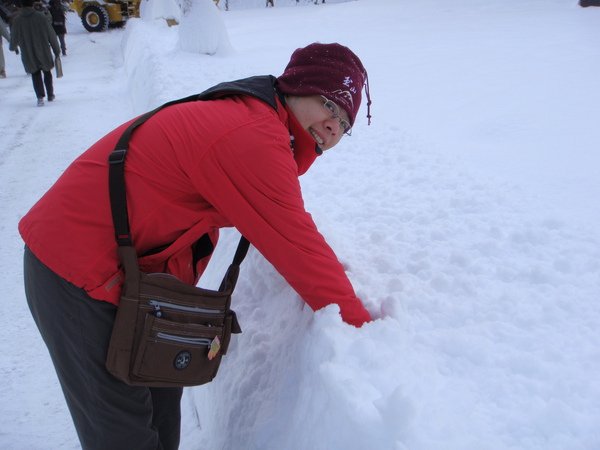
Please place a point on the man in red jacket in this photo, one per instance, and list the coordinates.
(191, 169)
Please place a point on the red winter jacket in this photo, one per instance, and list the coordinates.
(191, 169)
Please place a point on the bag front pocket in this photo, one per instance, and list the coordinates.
(185, 353)
(179, 313)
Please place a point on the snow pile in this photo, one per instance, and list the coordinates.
(477, 290)
(164, 9)
(202, 29)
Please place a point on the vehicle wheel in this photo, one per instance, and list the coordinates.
(94, 18)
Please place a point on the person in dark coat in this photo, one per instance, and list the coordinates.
(58, 12)
(33, 34)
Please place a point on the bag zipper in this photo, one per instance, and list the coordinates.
(184, 339)
(156, 304)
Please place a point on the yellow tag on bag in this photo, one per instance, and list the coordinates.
(215, 346)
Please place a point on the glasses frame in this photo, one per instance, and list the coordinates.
(334, 109)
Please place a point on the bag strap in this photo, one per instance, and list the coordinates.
(261, 87)
(116, 176)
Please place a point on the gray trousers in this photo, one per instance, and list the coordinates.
(107, 413)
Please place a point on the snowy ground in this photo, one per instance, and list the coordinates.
(466, 216)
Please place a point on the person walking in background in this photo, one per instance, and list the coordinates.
(32, 33)
(4, 33)
(193, 168)
(59, 22)
(40, 6)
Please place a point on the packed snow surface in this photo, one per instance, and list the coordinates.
(466, 216)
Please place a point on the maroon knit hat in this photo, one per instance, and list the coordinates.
(331, 70)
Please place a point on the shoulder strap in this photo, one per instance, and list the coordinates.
(261, 87)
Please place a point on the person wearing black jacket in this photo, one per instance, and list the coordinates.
(58, 12)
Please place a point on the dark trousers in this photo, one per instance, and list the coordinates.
(63, 44)
(38, 86)
(107, 413)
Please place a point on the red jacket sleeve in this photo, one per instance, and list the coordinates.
(251, 178)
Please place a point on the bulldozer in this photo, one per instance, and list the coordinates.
(98, 15)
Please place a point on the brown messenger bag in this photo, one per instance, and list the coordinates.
(166, 333)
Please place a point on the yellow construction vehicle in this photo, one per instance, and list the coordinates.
(98, 15)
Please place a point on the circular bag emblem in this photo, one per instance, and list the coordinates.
(182, 360)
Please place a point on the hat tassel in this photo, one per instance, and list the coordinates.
(368, 97)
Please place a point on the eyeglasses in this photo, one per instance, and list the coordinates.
(334, 109)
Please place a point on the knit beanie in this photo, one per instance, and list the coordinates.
(331, 70)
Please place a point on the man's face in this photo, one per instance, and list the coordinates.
(323, 119)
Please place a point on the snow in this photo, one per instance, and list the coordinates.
(166, 9)
(466, 216)
(202, 30)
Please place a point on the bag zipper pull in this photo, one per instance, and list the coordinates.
(157, 312)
